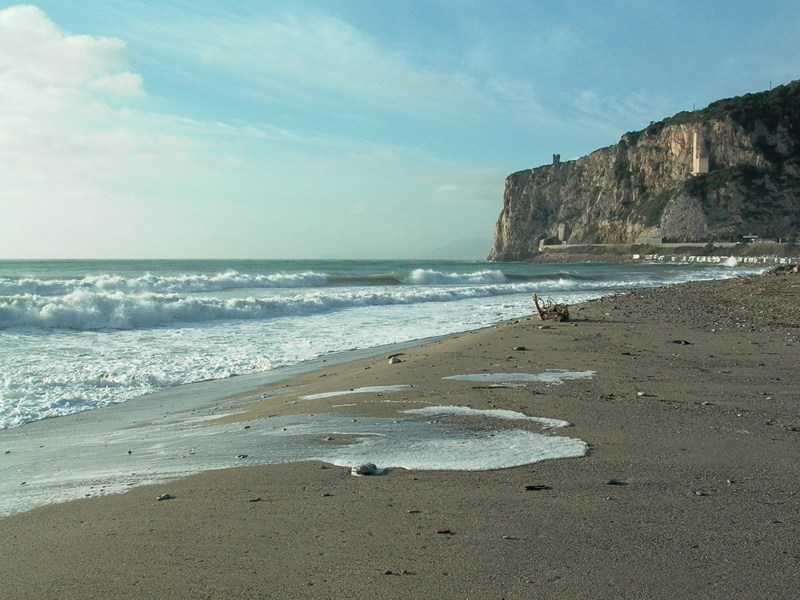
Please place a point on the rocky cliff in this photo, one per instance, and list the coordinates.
(644, 186)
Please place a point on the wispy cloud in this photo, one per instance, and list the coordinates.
(285, 58)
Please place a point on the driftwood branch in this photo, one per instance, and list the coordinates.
(550, 311)
(784, 270)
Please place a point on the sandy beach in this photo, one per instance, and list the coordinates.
(690, 486)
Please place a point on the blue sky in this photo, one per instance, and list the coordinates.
(345, 129)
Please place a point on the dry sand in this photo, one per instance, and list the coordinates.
(702, 439)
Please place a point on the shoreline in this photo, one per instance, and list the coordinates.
(690, 485)
(41, 450)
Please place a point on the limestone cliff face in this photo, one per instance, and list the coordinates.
(644, 186)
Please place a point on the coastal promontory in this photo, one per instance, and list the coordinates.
(717, 174)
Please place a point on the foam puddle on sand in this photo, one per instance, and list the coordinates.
(374, 389)
(77, 463)
(494, 413)
(551, 376)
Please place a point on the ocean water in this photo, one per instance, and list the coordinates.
(78, 335)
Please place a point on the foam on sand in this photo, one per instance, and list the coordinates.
(85, 460)
(375, 389)
(551, 376)
(494, 413)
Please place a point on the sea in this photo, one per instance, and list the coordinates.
(78, 335)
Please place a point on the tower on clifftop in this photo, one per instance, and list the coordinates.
(699, 155)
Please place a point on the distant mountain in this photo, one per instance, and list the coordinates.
(728, 170)
(475, 248)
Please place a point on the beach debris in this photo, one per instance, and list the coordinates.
(549, 310)
(519, 348)
(241, 456)
(537, 487)
(444, 532)
(326, 494)
(394, 358)
(254, 500)
(366, 469)
(614, 482)
(165, 497)
(784, 270)
(681, 342)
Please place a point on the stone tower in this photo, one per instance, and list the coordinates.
(699, 155)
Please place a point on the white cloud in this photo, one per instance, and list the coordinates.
(67, 155)
(33, 47)
(50, 120)
(123, 84)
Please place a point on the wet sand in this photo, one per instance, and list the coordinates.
(690, 487)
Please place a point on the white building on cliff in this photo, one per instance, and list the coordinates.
(699, 155)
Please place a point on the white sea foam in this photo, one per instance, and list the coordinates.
(445, 450)
(159, 284)
(110, 456)
(509, 415)
(431, 277)
(114, 302)
(84, 310)
(553, 376)
(373, 389)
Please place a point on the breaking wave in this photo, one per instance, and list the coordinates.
(83, 310)
(160, 284)
(233, 280)
(113, 302)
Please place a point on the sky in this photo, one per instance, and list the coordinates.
(335, 128)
